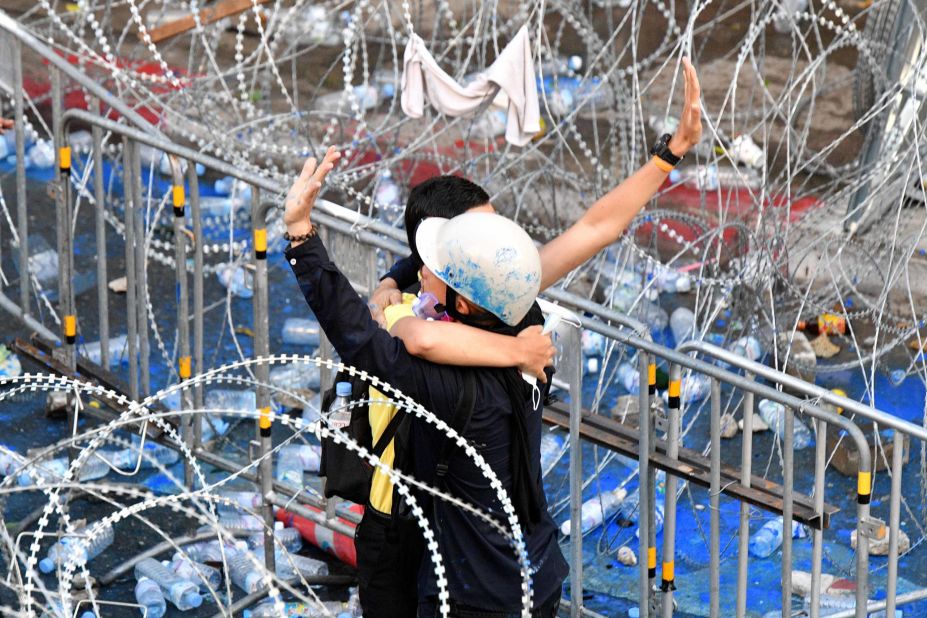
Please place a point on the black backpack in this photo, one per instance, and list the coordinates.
(347, 475)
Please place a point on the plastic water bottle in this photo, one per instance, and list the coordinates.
(551, 445)
(235, 523)
(339, 413)
(43, 260)
(301, 331)
(10, 461)
(232, 186)
(629, 377)
(53, 470)
(148, 594)
(749, 347)
(682, 323)
(206, 551)
(290, 565)
(489, 124)
(744, 150)
(228, 400)
(560, 65)
(309, 456)
(118, 350)
(79, 548)
(242, 570)
(201, 574)
(768, 539)
(127, 459)
(773, 414)
(313, 411)
(213, 426)
(289, 538)
(596, 510)
(593, 343)
(695, 387)
(897, 376)
(289, 470)
(250, 500)
(297, 376)
(710, 177)
(236, 278)
(185, 595)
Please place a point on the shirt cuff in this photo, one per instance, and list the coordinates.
(307, 256)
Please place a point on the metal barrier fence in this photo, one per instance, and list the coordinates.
(366, 237)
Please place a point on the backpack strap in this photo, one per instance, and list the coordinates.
(388, 433)
(458, 423)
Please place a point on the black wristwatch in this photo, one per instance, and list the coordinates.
(661, 149)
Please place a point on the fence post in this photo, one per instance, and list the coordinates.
(648, 555)
(573, 365)
(817, 547)
(184, 362)
(22, 214)
(714, 501)
(128, 170)
(894, 520)
(746, 473)
(668, 571)
(63, 211)
(100, 231)
(262, 372)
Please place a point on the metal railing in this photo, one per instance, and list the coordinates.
(368, 236)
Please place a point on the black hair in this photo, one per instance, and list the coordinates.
(440, 196)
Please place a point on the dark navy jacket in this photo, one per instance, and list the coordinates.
(481, 566)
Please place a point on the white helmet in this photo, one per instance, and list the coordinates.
(486, 258)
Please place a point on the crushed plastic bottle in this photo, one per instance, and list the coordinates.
(773, 414)
(228, 400)
(148, 594)
(235, 523)
(768, 539)
(629, 377)
(200, 574)
(79, 548)
(301, 331)
(53, 470)
(237, 279)
(749, 347)
(41, 155)
(297, 375)
(551, 445)
(185, 595)
(597, 509)
(250, 500)
(682, 325)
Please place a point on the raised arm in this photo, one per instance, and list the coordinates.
(610, 216)
(451, 343)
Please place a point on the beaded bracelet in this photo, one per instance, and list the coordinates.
(313, 231)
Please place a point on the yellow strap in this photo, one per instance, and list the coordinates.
(674, 388)
(64, 157)
(652, 557)
(186, 365)
(864, 483)
(652, 374)
(70, 325)
(180, 197)
(260, 239)
(265, 419)
(668, 570)
(663, 165)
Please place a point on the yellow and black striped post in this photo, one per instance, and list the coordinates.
(864, 487)
(652, 379)
(70, 329)
(260, 243)
(64, 160)
(652, 562)
(264, 422)
(179, 200)
(185, 366)
(668, 576)
(675, 388)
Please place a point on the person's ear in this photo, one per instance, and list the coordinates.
(463, 307)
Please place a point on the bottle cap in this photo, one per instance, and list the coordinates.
(192, 598)
(343, 389)
(46, 565)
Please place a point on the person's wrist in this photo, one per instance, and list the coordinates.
(299, 228)
(678, 146)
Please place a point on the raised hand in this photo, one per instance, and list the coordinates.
(689, 131)
(301, 197)
(536, 350)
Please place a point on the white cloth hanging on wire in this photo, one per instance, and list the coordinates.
(511, 78)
